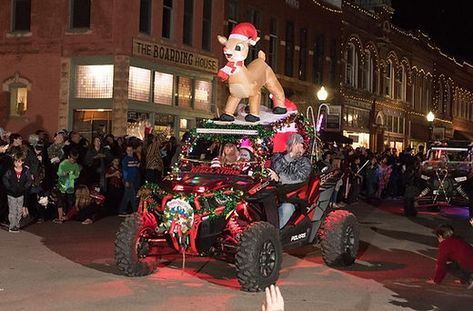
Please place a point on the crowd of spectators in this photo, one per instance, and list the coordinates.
(368, 175)
(117, 167)
(69, 177)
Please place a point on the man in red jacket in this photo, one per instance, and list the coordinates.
(455, 256)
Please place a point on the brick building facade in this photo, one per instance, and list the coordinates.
(106, 65)
(396, 77)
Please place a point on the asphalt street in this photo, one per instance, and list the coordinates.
(70, 267)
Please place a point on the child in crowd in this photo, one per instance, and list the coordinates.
(114, 186)
(17, 181)
(131, 178)
(455, 256)
(67, 173)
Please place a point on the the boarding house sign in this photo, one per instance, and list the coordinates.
(174, 56)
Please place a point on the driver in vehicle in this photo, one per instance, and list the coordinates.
(291, 170)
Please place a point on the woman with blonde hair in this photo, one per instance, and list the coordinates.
(85, 208)
(230, 156)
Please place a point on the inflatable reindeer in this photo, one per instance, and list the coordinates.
(247, 82)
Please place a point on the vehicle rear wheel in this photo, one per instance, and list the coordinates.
(132, 247)
(340, 238)
(258, 258)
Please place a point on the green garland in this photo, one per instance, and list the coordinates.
(265, 132)
(154, 195)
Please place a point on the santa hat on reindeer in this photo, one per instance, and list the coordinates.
(244, 32)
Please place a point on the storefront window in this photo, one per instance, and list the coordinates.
(94, 81)
(163, 122)
(203, 95)
(91, 122)
(139, 84)
(163, 85)
(356, 118)
(184, 92)
(395, 124)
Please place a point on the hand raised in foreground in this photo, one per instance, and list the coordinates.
(274, 300)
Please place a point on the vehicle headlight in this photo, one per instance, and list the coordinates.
(460, 179)
(424, 177)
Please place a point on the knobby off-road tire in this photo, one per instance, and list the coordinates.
(340, 237)
(131, 248)
(258, 258)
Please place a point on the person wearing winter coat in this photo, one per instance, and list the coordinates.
(17, 181)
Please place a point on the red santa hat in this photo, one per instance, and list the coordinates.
(245, 31)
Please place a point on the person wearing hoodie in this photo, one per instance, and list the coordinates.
(17, 181)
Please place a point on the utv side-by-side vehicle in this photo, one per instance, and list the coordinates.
(215, 211)
(444, 179)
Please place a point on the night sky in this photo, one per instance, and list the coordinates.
(448, 23)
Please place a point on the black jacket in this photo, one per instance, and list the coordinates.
(17, 187)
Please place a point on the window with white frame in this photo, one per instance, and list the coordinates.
(419, 82)
(427, 87)
(351, 68)
(207, 25)
(80, 14)
(389, 79)
(440, 96)
(163, 88)
(202, 95)
(145, 16)
(273, 43)
(403, 84)
(188, 22)
(448, 100)
(18, 99)
(139, 83)
(21, 15)
(94, 81)
(232, 15)
(368, 72)
(167, 19)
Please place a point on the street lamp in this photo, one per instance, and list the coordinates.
(322, 95)
(430, 118)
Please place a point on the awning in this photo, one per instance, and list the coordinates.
(460, 135)
(337, 137)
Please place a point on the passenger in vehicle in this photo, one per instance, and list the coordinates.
(230, 155)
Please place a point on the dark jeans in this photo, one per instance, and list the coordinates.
(371, 189)
(129, 196)
(464, 275)
(270, 199)
(113, 199)
(66, 201)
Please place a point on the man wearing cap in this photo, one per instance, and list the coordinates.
(290, 169)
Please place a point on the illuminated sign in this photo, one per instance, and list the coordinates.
(175, 56)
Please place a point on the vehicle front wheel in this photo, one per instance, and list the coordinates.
(340, 238)
(132, 247)
(258, 258)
